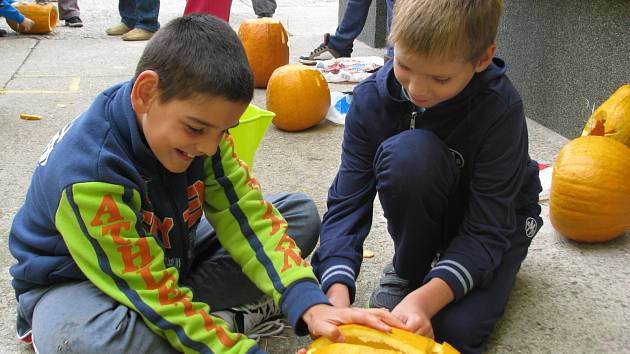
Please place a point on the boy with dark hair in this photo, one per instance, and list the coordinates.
(440, 134)
(112, 242)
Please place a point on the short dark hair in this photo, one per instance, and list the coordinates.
(198, 54)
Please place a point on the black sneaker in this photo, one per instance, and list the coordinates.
(322, 52)
(390, 291)
(74, 22)
(2, 32)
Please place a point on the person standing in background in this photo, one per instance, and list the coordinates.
(221, 8)
(70, 12)
(138, 20)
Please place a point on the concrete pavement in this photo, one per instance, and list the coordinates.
(569, 298)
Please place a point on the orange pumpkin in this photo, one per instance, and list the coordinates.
(266, 44)
(45, 16)
(364, 340)
(612, 118)
(590, 189)
(299, 96)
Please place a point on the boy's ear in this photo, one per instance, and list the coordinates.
(144, 91)
(486, 58)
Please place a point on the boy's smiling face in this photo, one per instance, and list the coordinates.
(179, 130)
(430, 80)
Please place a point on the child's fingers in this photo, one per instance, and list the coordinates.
(419, 326)
(329, 331)
(366, 318)
(301, 351)
(387, 317)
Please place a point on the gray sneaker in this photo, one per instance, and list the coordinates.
(390, 291)
(257, 320)
(322, 52)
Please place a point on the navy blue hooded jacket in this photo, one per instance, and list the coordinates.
(486, 125)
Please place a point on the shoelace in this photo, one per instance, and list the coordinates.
(319, 50)
(260, 313)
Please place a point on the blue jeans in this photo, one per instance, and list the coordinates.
(77, 317)
(140, 14)
(352, 24)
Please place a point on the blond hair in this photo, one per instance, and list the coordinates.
(450, 29)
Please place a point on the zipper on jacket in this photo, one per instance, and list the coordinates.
(412, 122)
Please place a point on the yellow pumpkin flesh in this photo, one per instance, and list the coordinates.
(612, 118)
(590, 189)
(365, 340)
(299, 96)
(266, 44)
(45, 16)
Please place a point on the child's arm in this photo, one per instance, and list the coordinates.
(350, 201)
(101, 225)
(9, 12)
(255, 235)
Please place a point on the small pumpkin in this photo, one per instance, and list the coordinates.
(364, 340)
(45, 16)
(299, 96)
(612, 118)
(266, 44)
(590, 189)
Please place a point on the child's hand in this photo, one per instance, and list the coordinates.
(322, 320)
(26, 25)
(339, 295)
(411, 312)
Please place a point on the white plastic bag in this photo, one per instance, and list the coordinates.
(339, 106)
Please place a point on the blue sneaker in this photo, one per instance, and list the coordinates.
(390, 291)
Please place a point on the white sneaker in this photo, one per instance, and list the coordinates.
(257, 320)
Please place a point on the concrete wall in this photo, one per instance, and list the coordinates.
(566, 56)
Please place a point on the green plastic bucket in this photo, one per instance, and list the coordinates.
(250, 131)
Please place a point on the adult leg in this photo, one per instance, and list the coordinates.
(68, 9)
(350, 27)
(415, 176)
(127, 10)
(390, 13)
(146, 14)
(217, 279)
(264, 8)
(80, 318)
(467, 323)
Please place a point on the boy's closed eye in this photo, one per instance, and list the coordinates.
(441, 80)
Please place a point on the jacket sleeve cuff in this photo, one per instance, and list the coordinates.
(298, 298)
(454, 274)
(338, 270)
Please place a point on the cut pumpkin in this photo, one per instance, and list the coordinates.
(361, 339)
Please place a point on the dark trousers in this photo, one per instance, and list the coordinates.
(417, 179)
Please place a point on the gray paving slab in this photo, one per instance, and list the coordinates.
(569, 298)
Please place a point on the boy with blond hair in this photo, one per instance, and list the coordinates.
(440, 134)
(141, 219)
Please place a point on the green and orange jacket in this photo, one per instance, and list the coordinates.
(101, 207)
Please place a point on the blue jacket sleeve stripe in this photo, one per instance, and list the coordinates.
(338, 270)
(246, 229)
(462, 270)
(146, 311)
(454, 272)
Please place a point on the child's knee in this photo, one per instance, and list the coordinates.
(412, 159)
(466, 334)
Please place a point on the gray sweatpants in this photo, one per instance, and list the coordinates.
(68, 9)
(79, 318)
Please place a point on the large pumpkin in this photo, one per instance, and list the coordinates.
(364, 340)
(45, 16)
(590, 189)
(612, 118)
(299, 96)
(266, 44)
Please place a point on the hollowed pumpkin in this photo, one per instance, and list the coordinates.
(612, 118)
(299, 96)
(590, 189)
(266, 44)
(45, 16)
(365, 340)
